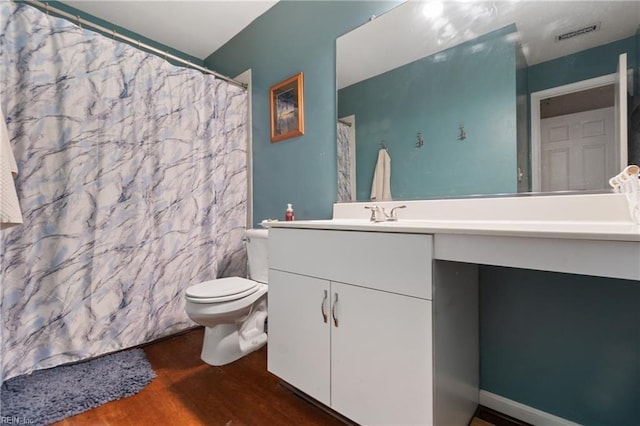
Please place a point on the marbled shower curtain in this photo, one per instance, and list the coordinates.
(344, 163)
(132, 184)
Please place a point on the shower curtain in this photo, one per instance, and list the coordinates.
(132, 182)
(344, 163)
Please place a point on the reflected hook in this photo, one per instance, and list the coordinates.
(462, 135)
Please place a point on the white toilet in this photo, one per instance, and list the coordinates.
(233, 310)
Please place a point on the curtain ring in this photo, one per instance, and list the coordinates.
(46, 6)
(79, 22)
(166, 53)
(113, 34)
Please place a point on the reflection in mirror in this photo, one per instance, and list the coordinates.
(346, 151)
(489, 98)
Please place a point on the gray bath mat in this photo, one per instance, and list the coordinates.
(47, 396)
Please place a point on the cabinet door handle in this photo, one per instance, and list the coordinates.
(322, 305)
(333, 310)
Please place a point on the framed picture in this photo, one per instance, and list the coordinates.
(287, 108)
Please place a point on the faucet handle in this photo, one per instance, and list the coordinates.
(392, 213)
(374, 212)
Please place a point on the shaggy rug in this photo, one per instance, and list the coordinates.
(47, 396)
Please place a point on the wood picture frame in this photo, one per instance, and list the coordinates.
(287, 108)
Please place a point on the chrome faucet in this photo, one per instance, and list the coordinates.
(378, 214)
(392, 216)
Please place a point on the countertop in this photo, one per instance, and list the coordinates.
(585, 230)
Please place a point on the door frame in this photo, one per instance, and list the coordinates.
(536, 97)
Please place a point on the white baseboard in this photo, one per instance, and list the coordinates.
(521, 411)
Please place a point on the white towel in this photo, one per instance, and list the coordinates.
(381, 185)
(10, 213)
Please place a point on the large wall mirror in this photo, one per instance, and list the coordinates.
(483, 98)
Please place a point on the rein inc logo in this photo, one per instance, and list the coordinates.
(15, 420)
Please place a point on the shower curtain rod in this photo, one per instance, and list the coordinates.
(166, 55)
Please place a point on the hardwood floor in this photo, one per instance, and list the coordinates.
(487, 417)
(189, 392)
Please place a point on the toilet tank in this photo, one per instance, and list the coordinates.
(257, 255)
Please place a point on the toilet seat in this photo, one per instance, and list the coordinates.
(221, 290)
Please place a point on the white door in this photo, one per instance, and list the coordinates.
(620, 129)
(381, 363)
(578, 150)
(298, 347)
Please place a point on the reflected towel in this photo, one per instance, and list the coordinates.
(381, 185)
(10, 213)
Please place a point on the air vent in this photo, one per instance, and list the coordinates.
(580, 31)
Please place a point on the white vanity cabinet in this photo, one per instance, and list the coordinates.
(381, 367)
(351, 324)
(299, 341)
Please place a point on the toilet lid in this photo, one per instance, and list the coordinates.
(222, 290)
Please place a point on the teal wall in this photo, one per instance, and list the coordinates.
(473, 84)
(566, 344)
(294, 36)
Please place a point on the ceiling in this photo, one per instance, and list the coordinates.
(197, 28)
(405, 34)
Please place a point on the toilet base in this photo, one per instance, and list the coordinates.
(225, 343)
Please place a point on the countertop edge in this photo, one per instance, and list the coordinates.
(580, 231)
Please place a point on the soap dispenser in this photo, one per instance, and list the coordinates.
(288, 215)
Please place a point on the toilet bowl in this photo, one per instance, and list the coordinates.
(233, 310)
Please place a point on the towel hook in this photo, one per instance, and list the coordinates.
(462, 135)
(383, 146)
(420, 141)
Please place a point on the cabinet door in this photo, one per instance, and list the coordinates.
(381, 364)
(298, 345)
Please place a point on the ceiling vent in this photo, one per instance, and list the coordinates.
(580, 31)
